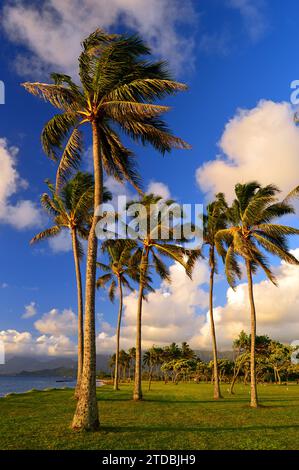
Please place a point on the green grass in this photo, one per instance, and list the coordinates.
(171, 417)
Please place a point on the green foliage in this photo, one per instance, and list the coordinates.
(117, 91)
(251, 233)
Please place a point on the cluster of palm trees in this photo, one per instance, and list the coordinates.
(115, 95)
(273, 363)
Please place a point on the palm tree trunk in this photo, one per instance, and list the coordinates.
(87, 415)
(80, 311)
(217, 392)
(116, 376)
(137, 395)
(231, 390)
(150, 378)
(253, 389)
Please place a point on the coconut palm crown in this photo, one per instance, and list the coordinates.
(117, 90)
(252, 233)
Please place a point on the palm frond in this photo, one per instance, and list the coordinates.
(70, 158)
(48, 233)
(55, 132)
(103, 280)
(59, 96)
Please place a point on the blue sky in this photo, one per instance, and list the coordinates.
(232, 54)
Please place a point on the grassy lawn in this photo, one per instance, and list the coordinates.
(171, 417)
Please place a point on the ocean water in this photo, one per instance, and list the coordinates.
(24, 384)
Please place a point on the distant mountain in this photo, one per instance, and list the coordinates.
(15, 365)
(27, 365)
(57, 372)
(207, 356)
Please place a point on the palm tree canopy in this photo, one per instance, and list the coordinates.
(118, 89)
(72, 208)
(151, 225)
(122, 265)
(118, 266)
(251, 233)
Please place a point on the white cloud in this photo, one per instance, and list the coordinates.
(24, 213)
(261, 143)
(277, 310)
(30, 310)
(171, 313)
(25, 344)
(57, 323)
(61, 243)
(179, 312)
(158, 188)
(56, 328)
(4, 285)
(54, 32)
(252, 13)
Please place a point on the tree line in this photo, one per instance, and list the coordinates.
(274, 363)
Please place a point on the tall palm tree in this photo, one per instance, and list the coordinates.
(214, 220)
(72, 210)
(252, 236)
(152, 247)
(116, 92)
(118, 273)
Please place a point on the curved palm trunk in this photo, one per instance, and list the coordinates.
(150, 377)
(86, 415)
(80, 311)
(116, 376)
(231, 390)
(137, 395)
(253, 389)
(217, 392)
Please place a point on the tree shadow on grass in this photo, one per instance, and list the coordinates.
(198, 429)
(216, 403)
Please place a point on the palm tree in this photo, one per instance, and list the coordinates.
(214, 220)
(118, 271)
(251, 236)
(187, 352)
(116, 91)
(172, 352)
(152, 359)
(152, 247)
(132, 358)
(111, 364)
(123, 362)
(72, 210)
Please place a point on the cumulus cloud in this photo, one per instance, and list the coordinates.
(261, 143)
(158, 188)
(171, 313)
(62, 243)
(277, 313)
(179, 312)
(54, 32)
(56, 339)
(57, 323)
(30, 310)
(25, 344)
(24, 213)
